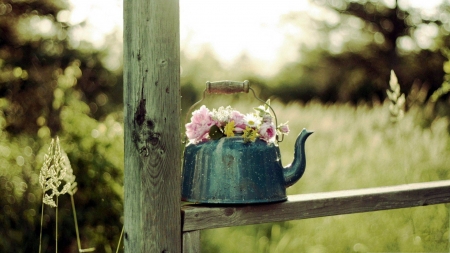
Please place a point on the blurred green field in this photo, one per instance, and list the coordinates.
(354, 147)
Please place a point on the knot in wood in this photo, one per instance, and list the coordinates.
(228, 211)
(147, 140)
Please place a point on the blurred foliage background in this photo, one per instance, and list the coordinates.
(54, 84)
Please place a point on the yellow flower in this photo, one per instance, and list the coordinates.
(250, 134)
(228, 130)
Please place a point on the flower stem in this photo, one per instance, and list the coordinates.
(56, 226)
(120, 239)
(42, 221)
(76, 222)
(76, 227)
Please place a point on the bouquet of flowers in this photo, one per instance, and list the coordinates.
(227, 122)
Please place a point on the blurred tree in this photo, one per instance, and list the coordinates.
(358, 43)
(35, 49)
(51, 83)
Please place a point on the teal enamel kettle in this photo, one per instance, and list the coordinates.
(233, 171)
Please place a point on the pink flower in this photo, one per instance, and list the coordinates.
(196, 132)
(284, 128)
(202, 116)
(267, 132)
(200, 124)
(239, 122)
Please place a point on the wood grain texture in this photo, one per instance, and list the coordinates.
(151, 112)
(191, 242)
(304, 206)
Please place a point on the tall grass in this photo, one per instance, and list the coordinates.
(353, 147)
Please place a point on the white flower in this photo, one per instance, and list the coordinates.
(222, 115)
(267, 118)
(252, 120)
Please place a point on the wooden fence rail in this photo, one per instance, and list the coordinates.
(304, 206)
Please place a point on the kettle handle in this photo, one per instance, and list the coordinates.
(227, 87)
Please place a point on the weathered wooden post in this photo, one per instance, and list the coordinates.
(152, 139)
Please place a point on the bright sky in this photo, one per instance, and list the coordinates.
(233, 27)
(230, 27)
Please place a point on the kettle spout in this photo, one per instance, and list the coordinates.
(293, 172)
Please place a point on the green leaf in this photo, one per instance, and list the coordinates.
(215, 133)
(266, 105)
(259, 110)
